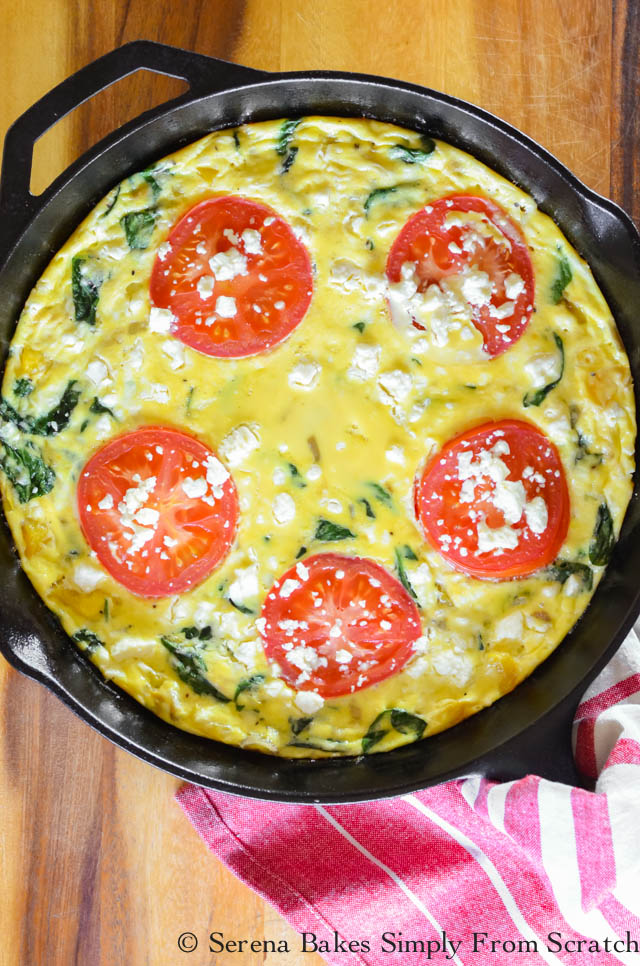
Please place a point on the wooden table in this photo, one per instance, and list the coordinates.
(98, 865)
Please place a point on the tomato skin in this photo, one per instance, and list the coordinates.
(198, 533)
(441, 511)
(271, 297)
(425, 240)
(341, 583)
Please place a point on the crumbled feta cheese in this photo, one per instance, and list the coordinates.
(314, 473)
(304, 658)
(543, 369)
(284, 508)
(106, 503)
(537, 515)
(509, 627)
(365, 362)
(86, 577)
(217, 475)
(395, 385)
(573, 586)
(240, 443)
(343, 656)
(458, 667)
(350, 277)
(156, 392)
(174, 350)
(205, 286)
(135, 647)
(226, 307)
(496, 538)
(97, 372)
(513, 286)
(395, 454)
(252, 241)
(288, 587)
(304, 375)
(308, 702)
(194, 488)
(228, 265)
(245, 584)
(476, 287)
(161, 320)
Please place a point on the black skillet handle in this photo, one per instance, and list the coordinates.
(544, 749)
(205, 75)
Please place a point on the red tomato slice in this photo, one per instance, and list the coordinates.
(260, 271)
(158, 510)
(494, 245)
(329, 604)
(494, 501)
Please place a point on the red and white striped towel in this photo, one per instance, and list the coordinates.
(529, 860)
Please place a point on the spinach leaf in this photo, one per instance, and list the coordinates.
(402, 573)
(88, 638)
(249, 684)
(241, 607)
(283, 149)
(603, 540)
(301, 552)
(189, 665)
(199, 633)
(296, 476)
(368, 509)
(100, 408)
(584, 453)
(26, 470)
(112, 203)
(85, 288)
(23, 387)
(328, 530)
(379, 194)
(299, 724)
(359, 326)
(561, 570)
(138, 227)
(393, 718)
(413, 155)
(381, 494)
(50, 423)
(562, 278)
(535, 397)
(288, 161)
(236, 140)
(285, 135)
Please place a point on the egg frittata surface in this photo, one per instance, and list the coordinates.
(316, 436)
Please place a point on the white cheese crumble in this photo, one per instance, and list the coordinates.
(205, 286)
(365, 362)
(174, 351)
(510, 627)
(288, 587)
(132, 647)
(308, 702)
(226, 307)
(97, 372)
(252, 241)
(106, 503)
(228, 265)
(395, 454)
(284, 508)
(245, 584)
(194, 487)
(458, 667)
(350, 277)
(543, 369)
(156, 392)
(314, 473)
(86, 577)
(304, 375)
(240, 443)
(161, 320)
(395, 385)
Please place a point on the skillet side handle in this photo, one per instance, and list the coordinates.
(205, 75)
(545, 749)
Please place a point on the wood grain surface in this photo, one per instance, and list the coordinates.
(98, 866)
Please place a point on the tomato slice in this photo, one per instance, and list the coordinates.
(455, 238)
(159, 510)
(336, 624)
(235, 277)
(494, 501)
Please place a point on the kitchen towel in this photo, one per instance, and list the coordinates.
(544, 872)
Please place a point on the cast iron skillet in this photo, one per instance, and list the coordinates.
(525, 731)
